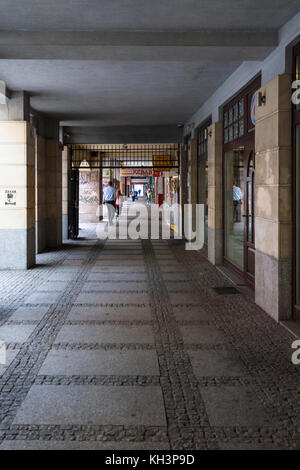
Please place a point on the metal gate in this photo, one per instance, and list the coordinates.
(73, 204)
(156, 156)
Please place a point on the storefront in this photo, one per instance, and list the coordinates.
(239, 181)
(202, 173)
(171, 197)
(296, 192)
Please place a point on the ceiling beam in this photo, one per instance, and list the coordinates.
(135, 53)
(121, 134)
(135, 45)
(203, 38)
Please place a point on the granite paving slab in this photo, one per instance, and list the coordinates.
(111, 405)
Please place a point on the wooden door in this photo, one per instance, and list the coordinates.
(249, 218)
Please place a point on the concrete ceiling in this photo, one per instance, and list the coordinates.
(114, 92)
(130, 64)
(151, 15)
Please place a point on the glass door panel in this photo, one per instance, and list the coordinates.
(297, 75)
(297, 221)
(206, 205)
(249, 202)
(234, 207)
(202, 197)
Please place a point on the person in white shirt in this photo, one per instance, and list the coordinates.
(237, 197)
(109, 195)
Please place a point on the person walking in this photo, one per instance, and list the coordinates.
(133, 195)
(118, 202)
(149, 194)
(109, 195)
(237, 199)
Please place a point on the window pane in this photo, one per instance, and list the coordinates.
(226, 136)
(298, 215)
(241, 108)
(206, 205)
(230, 116)
(250, 167)
(234, 207)
(230, 136)
(236, 130)
(202, 192)
(298, 74)
(249, 202)
(236, 112)
(225, 119)
(253, 210)
(241, 127)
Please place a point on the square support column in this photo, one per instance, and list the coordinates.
(192, 170)
(273, 200)
(53, 193)
(183, 181)
(40, 194)
(201, 181)
(215, 193)
(17, 195)
(65, 166)
(48, 185)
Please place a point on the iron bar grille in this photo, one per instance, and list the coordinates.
(152, 156)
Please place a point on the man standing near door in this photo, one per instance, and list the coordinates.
(237, 198)
(109, 195)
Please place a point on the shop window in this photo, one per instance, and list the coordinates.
(250, 201)
(202, 184)
(202, 141)
(297, 221)
(296, 191)
(234, 121)
(234, 206)
(297, 75)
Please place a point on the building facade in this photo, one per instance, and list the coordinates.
(243, 163)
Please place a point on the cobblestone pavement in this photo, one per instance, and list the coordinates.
(126, 345)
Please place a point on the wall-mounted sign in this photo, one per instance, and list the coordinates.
(139, 172)
(10, 197)
(161, 162)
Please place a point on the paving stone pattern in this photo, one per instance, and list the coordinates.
(105, 352)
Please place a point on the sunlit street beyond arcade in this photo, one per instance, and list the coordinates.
(149, 228)
(139, 344)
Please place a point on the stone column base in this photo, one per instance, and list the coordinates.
(65, 226)
(17, 248)
(273, 285)
(53, 232)
(40, 230)
(215, 246)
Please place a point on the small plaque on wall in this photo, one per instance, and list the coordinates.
(10, 197)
